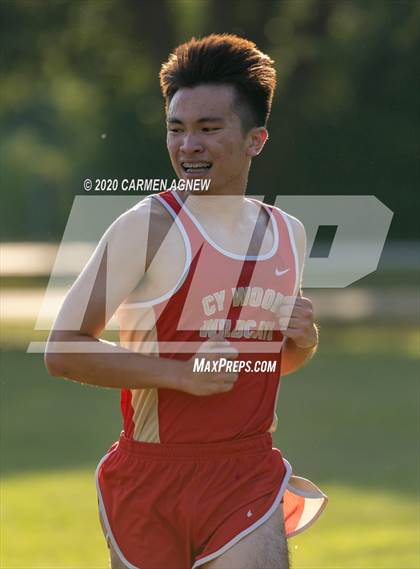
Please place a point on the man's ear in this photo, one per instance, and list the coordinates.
(257, 137)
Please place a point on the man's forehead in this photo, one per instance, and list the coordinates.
(202, 101)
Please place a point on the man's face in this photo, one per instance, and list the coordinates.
(205, 139)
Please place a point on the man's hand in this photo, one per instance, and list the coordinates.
(211, 382)
(296, 320)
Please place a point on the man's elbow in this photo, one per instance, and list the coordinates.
(289, 368)
(292, 363)
(54, 363)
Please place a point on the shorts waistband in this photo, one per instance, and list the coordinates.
(253, 444)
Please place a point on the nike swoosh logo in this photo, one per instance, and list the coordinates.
(280, 273)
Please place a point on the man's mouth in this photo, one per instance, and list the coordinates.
(196, 167)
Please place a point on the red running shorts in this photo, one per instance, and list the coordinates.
(177, 506)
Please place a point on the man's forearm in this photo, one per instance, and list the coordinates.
(108, 365)
(295, 357)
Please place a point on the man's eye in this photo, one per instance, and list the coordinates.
(174, 130)
(210, 129)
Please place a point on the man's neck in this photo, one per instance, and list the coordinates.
(226, 209)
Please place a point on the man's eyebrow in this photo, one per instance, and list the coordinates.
(203, 119)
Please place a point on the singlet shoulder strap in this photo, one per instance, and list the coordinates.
(175, 207)
(158, 232)
(287, 237)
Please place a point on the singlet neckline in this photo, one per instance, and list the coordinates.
(235, 256)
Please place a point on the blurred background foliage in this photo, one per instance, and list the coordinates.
(80, 98)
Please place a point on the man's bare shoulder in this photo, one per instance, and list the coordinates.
(138, 221)
(298, 232)
(143, 229)
(296, 226)
(159, 215)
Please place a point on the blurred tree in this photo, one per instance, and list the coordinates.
(80, 98)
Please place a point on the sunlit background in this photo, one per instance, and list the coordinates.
(80, 98)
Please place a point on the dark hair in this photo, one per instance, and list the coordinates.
(224, 59)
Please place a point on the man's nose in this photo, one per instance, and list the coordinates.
(191, 144)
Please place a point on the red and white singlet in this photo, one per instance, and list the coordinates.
(238, 296)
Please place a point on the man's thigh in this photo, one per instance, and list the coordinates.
(263, 548)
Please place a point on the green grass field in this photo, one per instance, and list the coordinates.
(348, 421)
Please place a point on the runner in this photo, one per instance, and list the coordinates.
(206, 290)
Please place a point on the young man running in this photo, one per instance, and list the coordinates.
(193, 480)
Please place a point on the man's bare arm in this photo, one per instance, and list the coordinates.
(295, 356)
(91, 301)
(74, 349)
(301, 332)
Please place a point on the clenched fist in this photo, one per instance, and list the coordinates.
(296, 321)
(209, 382)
